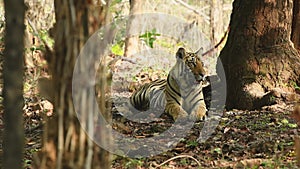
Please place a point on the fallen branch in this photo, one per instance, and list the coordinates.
(180, 156)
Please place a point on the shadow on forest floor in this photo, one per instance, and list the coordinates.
(246, 139)
(243, 139)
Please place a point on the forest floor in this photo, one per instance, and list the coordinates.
(242, 139)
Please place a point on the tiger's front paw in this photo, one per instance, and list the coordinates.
(179, 115)
(182, 115)
(176, 111)
(198, 114)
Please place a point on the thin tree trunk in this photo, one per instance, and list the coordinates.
(13, 72)
(296, 24)
(132, 41)
(259, 57)
(216, 20)
(65, 143)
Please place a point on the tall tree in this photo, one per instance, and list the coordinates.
(132, 41)
(296, 24)
(13, 71)
(216, 20)
(65, 143)
(259, 56)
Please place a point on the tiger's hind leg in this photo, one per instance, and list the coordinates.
(140, 99)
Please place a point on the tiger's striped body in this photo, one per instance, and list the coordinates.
(180, 95)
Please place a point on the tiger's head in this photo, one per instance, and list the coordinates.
(189, 68)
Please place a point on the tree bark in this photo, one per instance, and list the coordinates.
(13, 72)
(258, 57)
(296, 24)
(216, 20)
(132, 41)
(65, 143)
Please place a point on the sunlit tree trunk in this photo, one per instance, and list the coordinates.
(65, 143)
(259, 56)
(216, 20)
(13, 72)
(132, 41)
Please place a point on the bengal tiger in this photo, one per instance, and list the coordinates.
(180, 95)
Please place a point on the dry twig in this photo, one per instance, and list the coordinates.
(180, 156)
(198, 12)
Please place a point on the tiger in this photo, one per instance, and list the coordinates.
(180, 95)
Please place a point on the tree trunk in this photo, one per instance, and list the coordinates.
(65, 143)
(132, 41)
(296, 25)
(13, 72)
(259, 57)
(216, 20)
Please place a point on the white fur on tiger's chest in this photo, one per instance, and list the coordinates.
(188, 97)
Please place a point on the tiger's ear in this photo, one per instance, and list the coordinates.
(180, 53)
(199, 52)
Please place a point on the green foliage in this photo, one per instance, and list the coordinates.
(291, 125)
(149, 37)
(296, 86)
(117, 49)
(192, 143)
(217, 150)
(184, 162)
(36, 48)
(268, 164)
(285, 122)
(168, 44)
(27, 87)
(134, 79)
(27, 163)
(164, 43)
(117, 1)
(134, 163)
(117, 8)
(44, 35)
